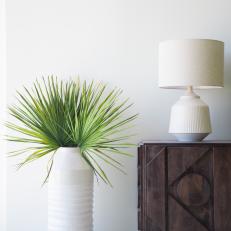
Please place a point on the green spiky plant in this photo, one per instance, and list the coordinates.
(54, 114)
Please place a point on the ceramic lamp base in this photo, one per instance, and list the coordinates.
(190, 118)
(190, 137)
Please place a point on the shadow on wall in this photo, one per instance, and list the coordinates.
(220, 109)
(227, 71)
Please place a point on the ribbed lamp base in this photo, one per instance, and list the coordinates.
(190, 119)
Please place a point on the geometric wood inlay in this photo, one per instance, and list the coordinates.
(190, 182)
(193, 190)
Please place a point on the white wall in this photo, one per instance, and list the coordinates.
(114, 41)
(2, 116)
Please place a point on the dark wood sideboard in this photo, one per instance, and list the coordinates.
(184, 186)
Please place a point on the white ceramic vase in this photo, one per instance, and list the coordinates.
(70, 192)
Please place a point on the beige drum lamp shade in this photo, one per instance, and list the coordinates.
(191, 64)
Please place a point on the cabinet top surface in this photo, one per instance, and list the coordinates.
(180, 142)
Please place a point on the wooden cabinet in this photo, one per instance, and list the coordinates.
(184, 186)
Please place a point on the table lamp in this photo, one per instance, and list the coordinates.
(191, 64)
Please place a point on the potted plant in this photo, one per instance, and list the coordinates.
(78, 125)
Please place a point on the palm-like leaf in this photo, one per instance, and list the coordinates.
(57, 114)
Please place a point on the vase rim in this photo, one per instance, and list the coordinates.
(68, 147)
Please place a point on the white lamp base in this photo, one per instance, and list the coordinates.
(190, 137)
(190, 118)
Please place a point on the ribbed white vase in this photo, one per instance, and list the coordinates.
(70, 192)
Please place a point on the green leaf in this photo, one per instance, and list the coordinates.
(54, 114)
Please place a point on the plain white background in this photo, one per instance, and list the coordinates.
(115, 41)
(2, 116)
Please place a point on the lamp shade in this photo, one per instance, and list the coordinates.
(191, 62)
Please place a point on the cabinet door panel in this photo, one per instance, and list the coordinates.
(222, 188)
(190, 188)
(155, 190)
